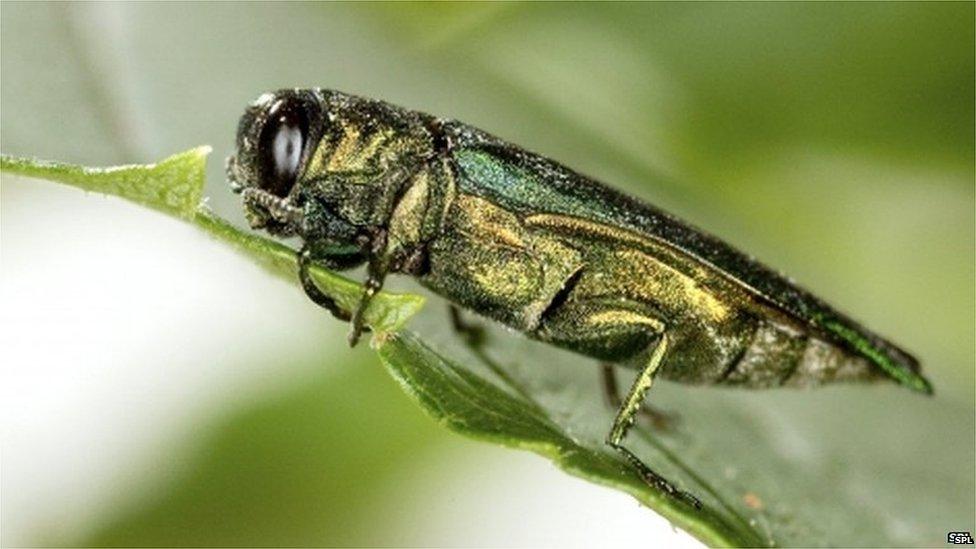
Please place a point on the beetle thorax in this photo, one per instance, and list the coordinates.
(358, 169)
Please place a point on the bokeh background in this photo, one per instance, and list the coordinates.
(159, 390)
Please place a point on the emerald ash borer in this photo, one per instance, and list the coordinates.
(527, 242)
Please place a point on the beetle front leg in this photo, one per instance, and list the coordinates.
(313, 292)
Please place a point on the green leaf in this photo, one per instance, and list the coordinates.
(774, 468)
(761, 481)
(863, 167)
(460, 398)
(471, 405)
(174, 186)
(463, 400)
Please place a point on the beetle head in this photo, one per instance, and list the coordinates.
(322, 164)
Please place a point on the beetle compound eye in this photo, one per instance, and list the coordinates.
(287, 150)
(282, 143)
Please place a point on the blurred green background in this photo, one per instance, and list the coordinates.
(834, 141)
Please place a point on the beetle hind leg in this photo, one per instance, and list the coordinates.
(625, 420)
(616, 330)
(660, 419)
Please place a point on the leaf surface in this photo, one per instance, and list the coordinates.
(843, 465)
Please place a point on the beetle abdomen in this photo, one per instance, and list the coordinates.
(780, 355)
(530, 185)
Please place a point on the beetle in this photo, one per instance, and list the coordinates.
(527, 242)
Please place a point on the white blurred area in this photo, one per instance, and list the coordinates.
(96, 400)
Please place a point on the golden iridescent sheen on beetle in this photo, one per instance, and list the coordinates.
(527, 242)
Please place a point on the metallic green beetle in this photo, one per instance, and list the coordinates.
(534, 245)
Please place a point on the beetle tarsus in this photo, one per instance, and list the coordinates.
(653, 479)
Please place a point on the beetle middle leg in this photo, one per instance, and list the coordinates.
(376, 272)
(473, 334)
